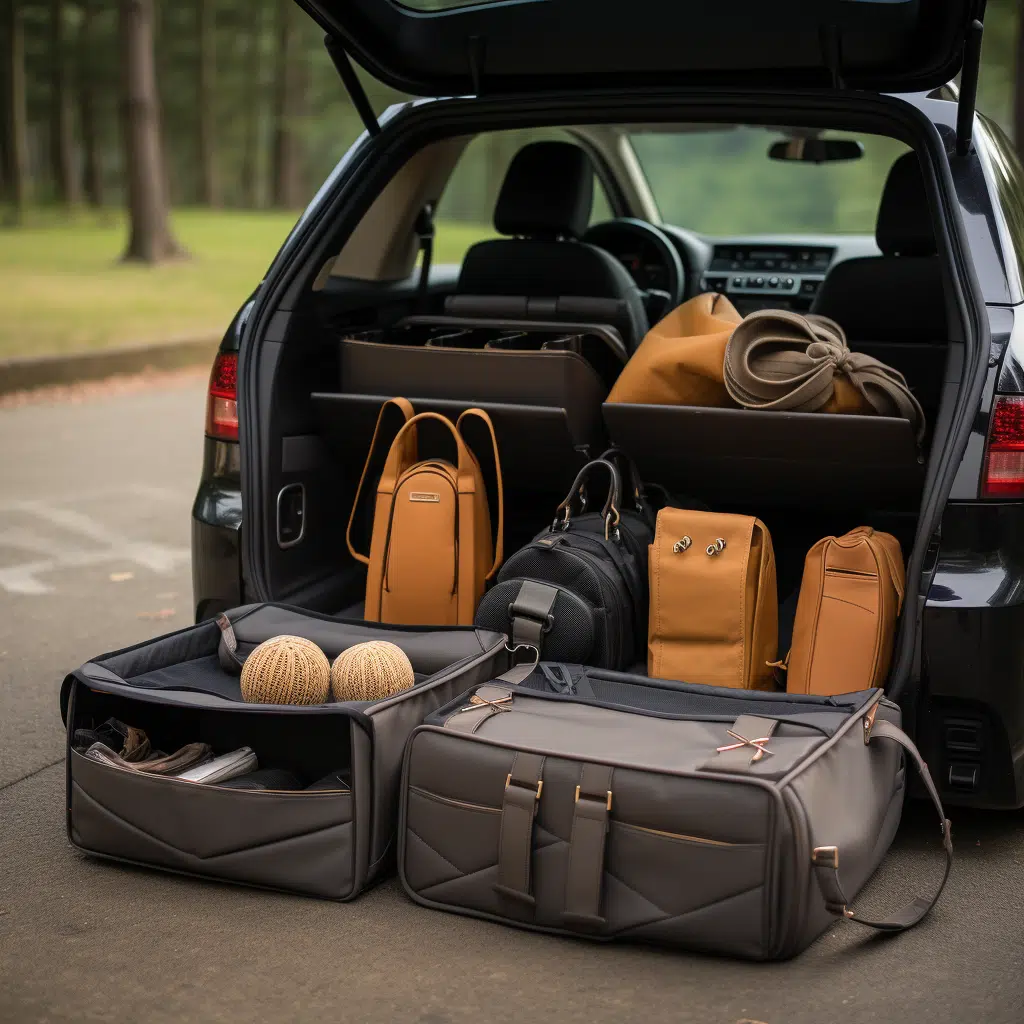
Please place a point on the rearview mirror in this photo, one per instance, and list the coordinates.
(816, 151)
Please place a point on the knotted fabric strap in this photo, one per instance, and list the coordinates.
(518, 809)
(780, 360)
(825, 859)
(586, 847)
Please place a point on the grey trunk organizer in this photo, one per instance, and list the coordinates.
(331, 842)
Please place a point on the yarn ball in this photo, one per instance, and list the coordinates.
(286, 670)
(371, 671)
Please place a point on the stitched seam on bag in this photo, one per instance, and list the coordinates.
(743, 618)
(666, 916)
(452, 802)
(441, 856)
(808, 668)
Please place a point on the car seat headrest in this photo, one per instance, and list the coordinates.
(904, 225)
(546, 193)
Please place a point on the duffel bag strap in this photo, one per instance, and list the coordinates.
(523, 787)
(826, 858)
(227, 650)
(586, 847)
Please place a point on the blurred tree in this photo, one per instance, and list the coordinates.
(150, 239)
(62, 139)
(88, 115)
(206, 100)
(253, 113)
(19, 183)
(290, 85)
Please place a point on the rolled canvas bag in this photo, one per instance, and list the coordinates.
(679, 361)
(594, 803)
(714, 615)
(431, 549)
(850, 599)
(782, 361)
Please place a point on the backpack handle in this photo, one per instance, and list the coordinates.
(404, 406)
(610, 511)
(499, 540)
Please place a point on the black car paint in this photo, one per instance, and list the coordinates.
(972, 619)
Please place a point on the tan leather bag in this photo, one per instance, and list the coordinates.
(679, 362)
(782, 361)
(431, 549)
(850, 598)
(714, 614)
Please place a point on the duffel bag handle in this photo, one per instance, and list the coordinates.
(630, 477)
(612, 504)
(825, 859)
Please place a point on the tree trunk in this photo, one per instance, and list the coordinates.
(249, 175)
(150, 240)
(62, 140)
(92, 172)
(206, 92)
(1018, 85)
(289, 99)
(16, 121)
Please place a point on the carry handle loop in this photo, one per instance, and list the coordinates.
(404, 406)
(825, 859)
(630, 477)
(499, 537)
(610, 511)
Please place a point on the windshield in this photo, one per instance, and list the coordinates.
(721, 182)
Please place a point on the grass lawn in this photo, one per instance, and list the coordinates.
(62, 288)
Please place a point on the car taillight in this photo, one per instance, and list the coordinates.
(1004, 463)
(222, 399)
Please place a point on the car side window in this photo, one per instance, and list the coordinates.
(465, 212)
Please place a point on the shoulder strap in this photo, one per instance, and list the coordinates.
(825, 859)
(499, 540)
(404, 406)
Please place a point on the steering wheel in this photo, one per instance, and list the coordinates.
(627, 235)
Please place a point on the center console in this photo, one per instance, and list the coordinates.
(776, 276)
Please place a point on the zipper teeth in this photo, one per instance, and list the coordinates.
(852, 572)
(679, 835)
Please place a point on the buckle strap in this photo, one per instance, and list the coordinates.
(825, 859)
(530, 613)
(523, 787)
(585, 871)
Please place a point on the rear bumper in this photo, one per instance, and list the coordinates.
(971, 720)
(216, 529)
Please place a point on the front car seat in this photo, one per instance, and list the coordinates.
(898, 296)
(543, 272)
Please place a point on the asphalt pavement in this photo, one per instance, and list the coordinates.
(94, 530)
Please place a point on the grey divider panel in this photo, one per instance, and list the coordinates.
(783, 458)
(310, 842)
(298, 841)
(713, 857)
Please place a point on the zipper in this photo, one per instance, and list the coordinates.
(702, 840)
(852, 574)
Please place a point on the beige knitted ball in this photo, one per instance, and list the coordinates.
(371, 671)
(286, 670)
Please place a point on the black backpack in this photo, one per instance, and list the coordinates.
(578, 591)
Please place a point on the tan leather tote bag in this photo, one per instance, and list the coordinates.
(714, 614)
(850, 598)
(431, 549)
(679, 362)
(782, 361)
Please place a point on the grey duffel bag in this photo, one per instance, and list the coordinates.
(590, 802)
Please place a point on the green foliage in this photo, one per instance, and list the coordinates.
(64, 289)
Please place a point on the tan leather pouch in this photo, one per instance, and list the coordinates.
(714, 614)
(680, 361)
(850, 598)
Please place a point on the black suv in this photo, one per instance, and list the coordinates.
(936, 293)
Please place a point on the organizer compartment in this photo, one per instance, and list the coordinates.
(326, 842)
(776, 458)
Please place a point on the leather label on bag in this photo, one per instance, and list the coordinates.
(424, 496)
